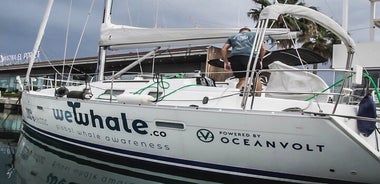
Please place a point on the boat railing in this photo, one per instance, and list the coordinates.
(359, 92)
(309, 95)
(46, 82)
(310, 92)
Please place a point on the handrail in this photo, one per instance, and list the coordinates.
(250, 73)
(313, 94)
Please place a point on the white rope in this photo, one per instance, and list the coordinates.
(291, 38)
(138, 57)
(66, 40)
(48, 60)
(80, 40)
(300, 59)
(153, 62)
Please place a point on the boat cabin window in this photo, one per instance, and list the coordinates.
(155, 94)
(170, 125)
(205, 81)
(107, 93)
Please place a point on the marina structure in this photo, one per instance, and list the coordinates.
(191, 59)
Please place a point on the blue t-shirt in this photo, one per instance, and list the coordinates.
(241, 43)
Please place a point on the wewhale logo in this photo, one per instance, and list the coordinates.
(114, 123)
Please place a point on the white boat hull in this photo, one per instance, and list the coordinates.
(186, 124)
(279, 146)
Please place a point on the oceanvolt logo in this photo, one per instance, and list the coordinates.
(205, 135)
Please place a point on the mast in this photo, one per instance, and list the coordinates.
(102, 49)
(37, 43)
(345, 15)
(372, 18)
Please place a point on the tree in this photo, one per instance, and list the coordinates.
(314, 37)
(321, 42)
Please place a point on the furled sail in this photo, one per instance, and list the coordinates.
(124, 37)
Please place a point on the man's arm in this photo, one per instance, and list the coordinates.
(262, 51)
(225, 48)
(262, 54)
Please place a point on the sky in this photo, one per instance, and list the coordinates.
(20, 21)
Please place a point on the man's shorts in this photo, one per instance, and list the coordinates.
(239, 65)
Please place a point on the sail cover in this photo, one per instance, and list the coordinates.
(291, 57)
(288, 84)
(124, 37)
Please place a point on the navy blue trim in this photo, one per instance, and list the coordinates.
(158, 167)
(104, 167)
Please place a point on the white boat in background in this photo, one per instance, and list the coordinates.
(296, 131)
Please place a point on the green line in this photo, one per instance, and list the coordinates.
(374, 85)
(336, 83)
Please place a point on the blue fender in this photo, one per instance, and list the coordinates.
(367, 108)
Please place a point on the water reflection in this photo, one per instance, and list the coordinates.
(40, 163)
(34, 162)
(7, 152)
(10, 122)
(10, 125)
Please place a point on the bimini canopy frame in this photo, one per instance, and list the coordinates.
(272, 12)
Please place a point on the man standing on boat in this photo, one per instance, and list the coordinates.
(241, 44)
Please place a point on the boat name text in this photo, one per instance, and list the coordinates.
(92, 119)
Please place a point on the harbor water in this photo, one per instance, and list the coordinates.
(10, 126)
(7, 153)
(32, 162)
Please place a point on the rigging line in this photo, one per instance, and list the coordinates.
(129, 13)
(156, 16)
(291, 39)
(80, 39)
(300, 59)
(360, 28)
(48, 60)
(51, 64)
(154, 56)
(153, 62)
(331, 12)
(66, 40)
(138, 57)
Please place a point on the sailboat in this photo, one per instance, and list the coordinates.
(298, 130)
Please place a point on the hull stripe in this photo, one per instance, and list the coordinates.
(171, 162)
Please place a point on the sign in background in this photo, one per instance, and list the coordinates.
(20, 58)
